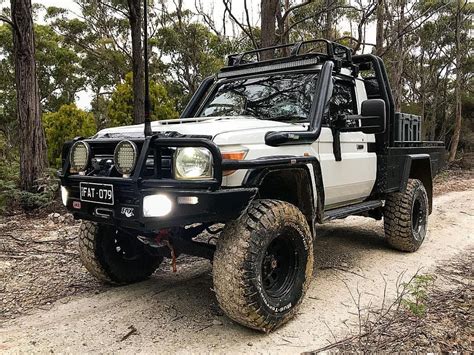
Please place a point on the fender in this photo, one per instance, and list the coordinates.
(418, 166)
(256, 176)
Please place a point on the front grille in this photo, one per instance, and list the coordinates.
(164, 169)
(102, 161)
(102, 165)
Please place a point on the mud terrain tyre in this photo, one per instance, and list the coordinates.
(406, 217)
(263, 265)
(114, 257)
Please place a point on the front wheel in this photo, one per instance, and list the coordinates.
(406, 217)
(113, 256)
(263, 265)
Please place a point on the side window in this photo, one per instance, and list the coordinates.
(343, 101)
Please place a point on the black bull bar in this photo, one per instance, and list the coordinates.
(215, 203)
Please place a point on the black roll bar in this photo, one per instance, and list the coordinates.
(385, 93)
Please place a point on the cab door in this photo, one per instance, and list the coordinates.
(348, 177)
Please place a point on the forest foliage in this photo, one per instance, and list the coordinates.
(427, 47)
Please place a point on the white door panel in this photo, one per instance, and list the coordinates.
(350, 180)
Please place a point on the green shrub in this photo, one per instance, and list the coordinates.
(415, 301)
(9, 173)
(8, 192)
(11, 197)
(64, 125)
(45, 192)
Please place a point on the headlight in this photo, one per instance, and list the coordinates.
(192, 163)
(79, 156)
(125, 157)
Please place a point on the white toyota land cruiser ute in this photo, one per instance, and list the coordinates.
(264, 150)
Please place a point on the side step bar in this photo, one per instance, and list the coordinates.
(351, 210)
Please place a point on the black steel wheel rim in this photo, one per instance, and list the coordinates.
(124, 247)
(418, 216)
(280, 266)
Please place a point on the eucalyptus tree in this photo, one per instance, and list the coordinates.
(33, 159)
(190, 51)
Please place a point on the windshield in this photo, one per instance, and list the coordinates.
(285, 97)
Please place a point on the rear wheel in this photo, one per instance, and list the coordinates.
(113, 256)
(406, 217)
(263, 265)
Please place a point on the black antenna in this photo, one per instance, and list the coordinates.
(148, 131)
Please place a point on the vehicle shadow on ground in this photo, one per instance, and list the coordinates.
(343, 243)
(186, 297)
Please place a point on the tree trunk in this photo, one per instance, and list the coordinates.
(423, 92)
(399, 63)
(457, 90)
(286, 38)
(268, 33)
(444, 122)
(135, 20)
(328, 32)
(379, 28)
(434, 116)
(32, 141)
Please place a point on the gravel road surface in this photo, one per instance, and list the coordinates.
(178, 312)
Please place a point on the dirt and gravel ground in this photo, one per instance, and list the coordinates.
(49, 302)
(433, 313)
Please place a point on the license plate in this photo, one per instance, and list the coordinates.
(97, 193)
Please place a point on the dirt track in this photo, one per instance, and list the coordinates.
(178, 312)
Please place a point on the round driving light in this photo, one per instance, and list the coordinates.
(156, 205)
(193, 163)
(125, 157)
(79, 157)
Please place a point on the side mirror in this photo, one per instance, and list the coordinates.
(372, 117)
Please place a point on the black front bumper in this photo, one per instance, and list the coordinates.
(212, 206)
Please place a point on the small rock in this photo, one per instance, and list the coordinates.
(217, 322)
(53, 235)
(12, 224)
(249, 344)
(54, 216)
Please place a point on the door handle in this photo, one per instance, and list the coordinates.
(360, 146)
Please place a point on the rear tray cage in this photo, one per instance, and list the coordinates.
(322, 48)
